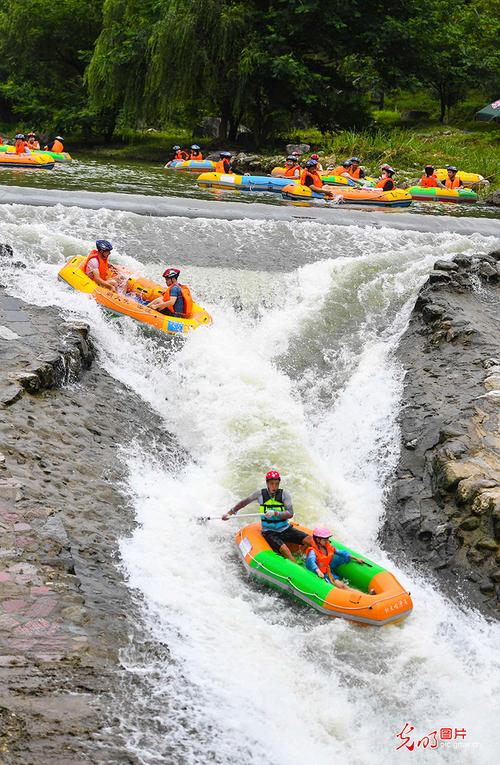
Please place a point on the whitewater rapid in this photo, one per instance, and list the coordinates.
(297, 372)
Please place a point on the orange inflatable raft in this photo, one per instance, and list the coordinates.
(390, 604)
(37, 161)
(126, 303)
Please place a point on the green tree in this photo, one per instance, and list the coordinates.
(44, 50)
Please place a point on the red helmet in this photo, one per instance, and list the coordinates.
(273, 474)
(171, 273)
(314, 156)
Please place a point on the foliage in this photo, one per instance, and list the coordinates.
(274, 66)
(44, 50)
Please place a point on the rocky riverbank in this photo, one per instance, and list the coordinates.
(443, 512)
(65, 611)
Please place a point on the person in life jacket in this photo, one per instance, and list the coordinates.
(386, 183)
(323, 559)
(319, 166)
(291, 169)
(452, 182)
(32, 142)
(312, 179)
(196, 153)
(21, 144)
(96, 265)
(57, 145)
(343, 169)
(429, 179)
(355, 171)
(224, 165)
(276, 509)
(176, 300)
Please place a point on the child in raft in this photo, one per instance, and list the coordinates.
(323, 559)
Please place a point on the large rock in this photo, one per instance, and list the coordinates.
(444, 506)
(493, 198)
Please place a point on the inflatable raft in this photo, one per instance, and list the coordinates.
(333, 180)
(462, 196)
(244, 182)
(190, 165)
(390, 604)
(126, 304)
(470, 180)
(56, 156)
(37, 161)
(367, 197)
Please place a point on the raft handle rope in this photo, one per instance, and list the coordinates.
(313, 594)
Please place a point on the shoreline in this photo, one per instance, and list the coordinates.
(443, 508)
(199, 208)
(66, 611)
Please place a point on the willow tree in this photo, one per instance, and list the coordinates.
(117, 72)
(194, 55)
(154, 59)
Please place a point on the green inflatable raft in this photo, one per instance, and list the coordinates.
(377, 598)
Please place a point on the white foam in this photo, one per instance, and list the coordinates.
(297, 372)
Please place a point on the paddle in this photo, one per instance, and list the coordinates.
(205, 518)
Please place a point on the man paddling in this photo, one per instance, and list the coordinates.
(276, 509)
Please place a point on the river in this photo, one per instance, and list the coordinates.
(297, 372)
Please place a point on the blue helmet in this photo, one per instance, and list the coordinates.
(176, 148)
(311, 163)
(195, 147)
(20, 137)
(103, 244)
(226, 154)
(347, 163)
(355, 159)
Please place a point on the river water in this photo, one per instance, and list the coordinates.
(297, 372)
(90, 174)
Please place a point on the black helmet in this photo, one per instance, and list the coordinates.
(103, 244)
(311, 163)
(59, 138)
(347, 163)
(176, 148)
(355, 159)
(226, 154)
(291, 158)
(20, 137)
(195, 147)
(452, 168)
(171, 273)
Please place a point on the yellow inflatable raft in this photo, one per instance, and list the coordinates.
(136, 289)
(470, 180)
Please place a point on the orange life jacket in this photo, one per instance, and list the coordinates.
(188, 300)
(35, 145)
(340, 170)
(57, 146)
(221, 165)
(453, 184)
(196, 155)
(290, 172)
(428, 182)
(381, 184)
(103, 264)
(20, 146)
(323, 559)
(1, 140)
(314, 175)
(354, 173)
